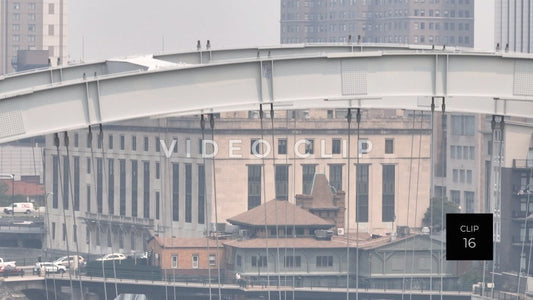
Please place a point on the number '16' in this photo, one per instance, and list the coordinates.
(470, 243)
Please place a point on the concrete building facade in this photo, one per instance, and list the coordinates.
(426, 22)
(32, 25)
(513, 22)
(129, 186)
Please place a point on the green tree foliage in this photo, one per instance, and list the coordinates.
(438, 209)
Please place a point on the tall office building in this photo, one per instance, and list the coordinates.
(429, 22)
(31, 32)
(513, 21)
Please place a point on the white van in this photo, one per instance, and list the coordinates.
(20, 207)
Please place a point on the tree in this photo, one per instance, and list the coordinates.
(438, 208)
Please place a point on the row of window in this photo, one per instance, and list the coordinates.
(469, 199)
(446, 40)
(445, 13)
(31, 6)
(437, 26)
(462, 152)
(388, 182)
(194, 263)
(16, 17)
(289, 261)
(102, 181)
(258, 146)
(459, 176)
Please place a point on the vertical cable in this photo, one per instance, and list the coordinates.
(416, 197)
(408, 201)
(202, 126)
(358, 119)
(265, 203)
(64, 227)
(212, 125)
(347, 221)
(276, 202)
(94, 170)
(498, 202)
(76, 260)
(443, 153)
(431, 198)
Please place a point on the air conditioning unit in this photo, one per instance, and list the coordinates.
(340, 231)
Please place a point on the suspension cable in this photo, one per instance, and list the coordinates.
(431, 197)
(104, 184)
(498, 202)
(408, 201)
(95, 175)
(212, 125)
(164, 163)
(347, 222)
(65, 227)
(294, 191)
(76, 261)
(529, 184)
(276, 202)
(416, 197)
(443, 156)
(264, 200)
(358, 119)
(202, 126)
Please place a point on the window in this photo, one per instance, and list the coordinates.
(146, 143)
(51, 8)
(239, 260)
(463, 125)
(212, 260)
(157, 205)
(282, 146)
(259, 261)
(188, 193)
(157, 144)
(174, 261)
(16, 6)
(51, 29)
(31, 17)
(309, 146)
(388, 191)
(134, 187)
(308, 173)
(53, 230)
(146, 189)
(110, 142)
(455, 175)
(456, 197)
(15, 27)
(195, 260)
(175, 192)
(324, 261)
(122, 142)
(122, 187)
(452, 151)
(472, 153)
(255, 146)
(201, 194)
(64, 231)
(293, 261)
(336, 146)
(134, 143)
(468, 176)
(31, 27)
(31, 6)
(254, 186)
(389, 146)
(16, 16)
(469, 201)
(282, 182)
(76, 183)
(362, 193)
(55, 181)
(16, 38)
(462, 176)
(335, 176)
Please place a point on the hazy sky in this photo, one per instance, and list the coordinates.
(100, 29)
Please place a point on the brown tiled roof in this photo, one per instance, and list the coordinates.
(322, 195)
(278, 212)
(168, 242)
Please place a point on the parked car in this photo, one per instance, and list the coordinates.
(112, 256)
(70, 261)
(49, 267)
(11, 271)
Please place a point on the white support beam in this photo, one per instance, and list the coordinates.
(291, 78)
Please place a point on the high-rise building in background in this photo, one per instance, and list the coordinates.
(32, 31)
(427, 22)
(513, 22)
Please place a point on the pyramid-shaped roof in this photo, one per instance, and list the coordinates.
(281, 213)
(321, 193)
